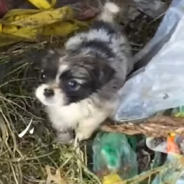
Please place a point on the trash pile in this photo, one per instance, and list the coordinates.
(154, 89)
(157, 85)
(115, 159)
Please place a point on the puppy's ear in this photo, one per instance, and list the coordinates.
(39, 57)
(106, 72)
(47, 56)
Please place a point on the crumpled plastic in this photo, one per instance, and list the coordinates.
(29, 25)
(152, 8)
(174, 169)
(112, 153)
(115, 157)
(159, 85)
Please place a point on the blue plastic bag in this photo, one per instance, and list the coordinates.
(159, 85)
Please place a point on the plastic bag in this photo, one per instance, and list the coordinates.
(159, 85)
(152, 8)
(169, 175)
(173, 171)
(112, 153)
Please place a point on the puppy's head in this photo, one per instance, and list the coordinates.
(71, 78)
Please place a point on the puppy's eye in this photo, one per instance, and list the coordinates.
(43, 76)
(73, 85)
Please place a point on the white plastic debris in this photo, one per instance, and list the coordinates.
(160, 85)
(26, 129)
(173, 172)
(31, 131)
(152, 8)
(151, 144)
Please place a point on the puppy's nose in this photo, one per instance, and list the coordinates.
(48, 92)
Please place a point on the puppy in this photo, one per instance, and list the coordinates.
(80, 87)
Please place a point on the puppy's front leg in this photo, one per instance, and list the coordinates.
(64, 137)
(86, 128)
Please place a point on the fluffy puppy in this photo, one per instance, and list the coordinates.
(80, 88)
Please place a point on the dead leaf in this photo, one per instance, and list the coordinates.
(56, 178)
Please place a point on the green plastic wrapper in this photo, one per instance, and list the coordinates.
(113, 153)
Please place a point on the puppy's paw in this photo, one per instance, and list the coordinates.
(64, 138)
(82, 135)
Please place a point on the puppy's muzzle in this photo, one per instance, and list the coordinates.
(48, 92)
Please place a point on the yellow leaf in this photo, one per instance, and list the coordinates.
(27, 33)
(45, 17)
(59, 29)
(16, 12)
(28, 25)
(8, 39)
(1, 28)
(41, 4)
(9, 29)
(53, 3)
(23, 32)
(56, 178)
(21, 17)
(112, 179)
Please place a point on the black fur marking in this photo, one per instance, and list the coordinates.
(87, 86)
(91, 76)
(98, 45)
(49, 66)
(109, 28)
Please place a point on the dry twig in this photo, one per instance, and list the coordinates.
(155, 126)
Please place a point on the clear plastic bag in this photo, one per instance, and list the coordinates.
(159, 85)
(173, 172)
(112, 153)
(152, 8)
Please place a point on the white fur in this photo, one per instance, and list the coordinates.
(109, 11)
(118, 44)
(82, 117)
(112, 7)
(57, 100)
(101, 34)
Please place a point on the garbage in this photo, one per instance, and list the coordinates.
(152, 8)
(119, 157)
(158, 85)
(113, 157)
(178, 112)
(29, 25)
(132, 9)
(165, 145)
(111, 179)
(174, 171)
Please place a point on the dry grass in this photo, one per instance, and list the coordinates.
(26, 160)
(34, 159)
